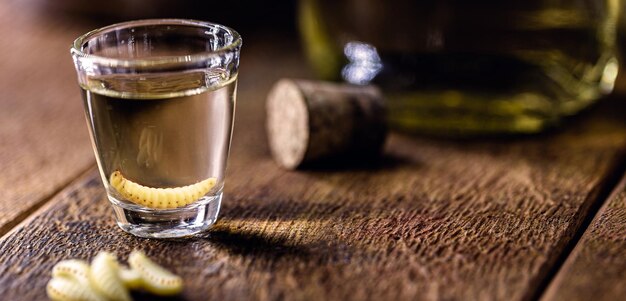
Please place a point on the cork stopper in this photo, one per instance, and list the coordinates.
(313, 121)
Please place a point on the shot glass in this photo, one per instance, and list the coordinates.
(159, 97)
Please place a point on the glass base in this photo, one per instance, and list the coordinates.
(170, 223)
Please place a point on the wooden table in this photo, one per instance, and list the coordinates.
(539, 217)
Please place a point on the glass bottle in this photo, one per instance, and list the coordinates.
(468, 67)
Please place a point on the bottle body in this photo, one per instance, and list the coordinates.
(468, 67)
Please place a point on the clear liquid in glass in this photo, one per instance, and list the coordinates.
(164, 132)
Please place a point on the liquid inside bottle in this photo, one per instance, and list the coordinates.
(477, 67)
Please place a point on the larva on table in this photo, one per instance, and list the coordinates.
(164, 198)
(130, 278)
(65, 289)
(156, 279)
(104, 277)
(73, 269)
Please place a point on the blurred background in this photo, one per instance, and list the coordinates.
(248, 17)
(446, 67)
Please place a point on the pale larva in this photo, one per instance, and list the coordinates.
(156, 279)
(105, 279)
(166, 198)
(130, 278)
(73, 269)
(65, 289)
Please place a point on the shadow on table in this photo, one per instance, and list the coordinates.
(265, 245)
(139, 296)
(384, 162)
(268, 248)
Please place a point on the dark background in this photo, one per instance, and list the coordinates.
(254, 20)
(247, 17)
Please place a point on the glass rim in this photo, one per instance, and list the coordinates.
(77, 52)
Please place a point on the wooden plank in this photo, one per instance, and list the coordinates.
(435, 219)
(43, 137)
(596, 269)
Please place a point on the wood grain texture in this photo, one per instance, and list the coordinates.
(432, 220)
(596, 269)
(43, 137)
